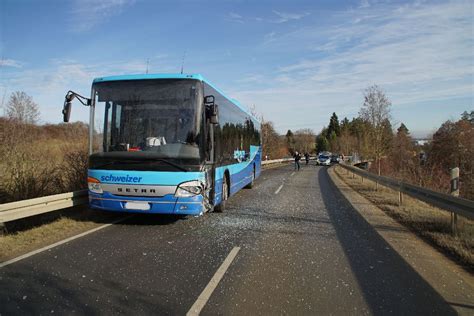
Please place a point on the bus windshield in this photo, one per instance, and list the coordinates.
(148, 118)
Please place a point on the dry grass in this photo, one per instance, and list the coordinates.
(41, 160)
(72, 223)
(427, 221)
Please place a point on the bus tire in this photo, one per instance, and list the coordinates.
(225, 195)
(250, 185)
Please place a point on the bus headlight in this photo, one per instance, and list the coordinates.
(94, 185)
(189, 189)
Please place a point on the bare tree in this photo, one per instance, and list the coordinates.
(305, 140)
(22, 108)
(376, 111)
(271, 142)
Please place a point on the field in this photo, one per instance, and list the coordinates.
(430, 223)
(41, 160)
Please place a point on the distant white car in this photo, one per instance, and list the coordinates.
(324, 160)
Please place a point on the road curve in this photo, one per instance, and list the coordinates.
(302, 249)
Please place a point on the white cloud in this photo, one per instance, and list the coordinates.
(364, 4)
(418, 53)
(86, 14)
(282, 17)
(235, 17)
(10, 63)
(252, 78)
(269, 37)
(287, 16)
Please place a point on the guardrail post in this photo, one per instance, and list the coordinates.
(3, 229)
(400, 195)
(454, 192)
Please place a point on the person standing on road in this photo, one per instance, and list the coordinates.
(306, 157)
(297, 160)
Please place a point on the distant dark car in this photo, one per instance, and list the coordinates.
(334, 159)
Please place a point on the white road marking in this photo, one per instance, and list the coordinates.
(211, 286)
(279, 188)
(292, 173)
(34, 252)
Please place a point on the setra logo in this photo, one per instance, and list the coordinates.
(123, 179)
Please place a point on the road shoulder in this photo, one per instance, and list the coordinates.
(452, 282)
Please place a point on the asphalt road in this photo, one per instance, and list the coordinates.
(303, 250)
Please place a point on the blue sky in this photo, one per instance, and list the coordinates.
(296, 62)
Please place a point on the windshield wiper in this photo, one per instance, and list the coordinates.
(139, 161)
(172, 164)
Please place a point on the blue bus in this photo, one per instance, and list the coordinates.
(167, 143)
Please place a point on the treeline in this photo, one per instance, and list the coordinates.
(275, 146)
(395, 153)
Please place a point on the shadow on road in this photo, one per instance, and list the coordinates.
(110, 297)
(389, 284)
(152, 219)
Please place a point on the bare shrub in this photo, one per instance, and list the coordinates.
(74, 169)
(28, 177)
(41, 160)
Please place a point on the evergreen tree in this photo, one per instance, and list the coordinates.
(403, 156)
(333, 125)
(345, 123)
(403, 129)
(322, 143)
(333, 146)
(465, 116)
(290, 141)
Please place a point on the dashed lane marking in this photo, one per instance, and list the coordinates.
(279, 188)
(211, 286)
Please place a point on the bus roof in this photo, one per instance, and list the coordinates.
(173, 76)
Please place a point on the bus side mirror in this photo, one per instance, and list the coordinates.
(212, 109)
(67, 103)
(209, 99)
(67, 106)
(66, 111)
(214, 114)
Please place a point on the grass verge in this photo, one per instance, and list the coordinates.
(70, 223)
(429, 222)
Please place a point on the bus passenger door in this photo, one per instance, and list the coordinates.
(212, 128)
(211, 160)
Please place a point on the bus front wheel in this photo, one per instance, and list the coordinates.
(250, 185)
(225, 195)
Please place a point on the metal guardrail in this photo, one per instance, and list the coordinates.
(444, 201)
(269, 162)
(26, 208)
